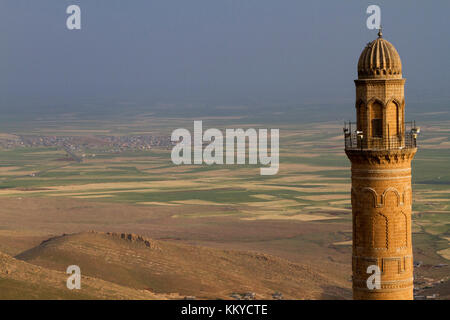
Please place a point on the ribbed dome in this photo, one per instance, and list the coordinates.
(379, 59)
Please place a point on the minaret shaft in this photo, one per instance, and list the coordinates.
(381, 150)
(381, 207)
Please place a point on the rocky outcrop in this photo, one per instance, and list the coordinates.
(135, 238)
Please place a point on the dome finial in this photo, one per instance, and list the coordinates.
(379, 59)
(380, 32)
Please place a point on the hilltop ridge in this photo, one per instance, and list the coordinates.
(164, 267)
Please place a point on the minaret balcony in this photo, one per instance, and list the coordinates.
(357, 140)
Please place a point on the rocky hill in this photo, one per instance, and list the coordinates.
(22, 280)
(167, 267)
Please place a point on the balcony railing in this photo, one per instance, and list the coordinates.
(355, 141)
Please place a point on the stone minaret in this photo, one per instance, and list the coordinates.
(380, 147)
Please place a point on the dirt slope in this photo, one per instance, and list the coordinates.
(165, 267)
(21, 280)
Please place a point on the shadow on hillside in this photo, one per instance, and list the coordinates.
(336, 293)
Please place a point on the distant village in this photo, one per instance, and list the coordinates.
(115, 144)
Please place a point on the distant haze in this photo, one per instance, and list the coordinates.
(221, 52)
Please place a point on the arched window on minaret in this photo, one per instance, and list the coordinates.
(401, 230)
(376, 116)
(380, 231)
(361, 111)
(392, 118)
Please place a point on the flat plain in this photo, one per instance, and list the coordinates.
(300, 218)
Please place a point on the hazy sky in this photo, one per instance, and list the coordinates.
(222, 51)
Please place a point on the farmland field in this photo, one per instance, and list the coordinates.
(302, 214)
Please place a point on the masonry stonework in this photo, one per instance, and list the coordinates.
(381, 151)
